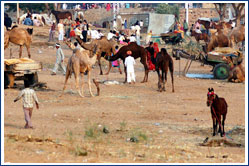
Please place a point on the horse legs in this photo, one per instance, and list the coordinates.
(89, 83)
(20, 51)
(110, 66)
(214, 125)
(223, 125)
(101, 72)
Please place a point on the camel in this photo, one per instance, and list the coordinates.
(38, 16)
(164, 62)
(80, 62)
(106, 49)
(198, 37)
(137, 52)
(19, 36)
(237, 72)
(237, 35)
(219, 40)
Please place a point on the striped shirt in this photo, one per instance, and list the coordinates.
(28, 96)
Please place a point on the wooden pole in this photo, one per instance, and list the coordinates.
(17, 12)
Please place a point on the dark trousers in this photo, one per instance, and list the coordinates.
(84, 34)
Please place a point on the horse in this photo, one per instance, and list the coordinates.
(38, 16)
(164, 62)
(19, 36)
(200, 36)
(60, 15)
(218, 108)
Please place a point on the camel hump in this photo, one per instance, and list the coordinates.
(15, 26)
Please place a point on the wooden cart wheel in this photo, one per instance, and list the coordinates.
(9, 80)
(31, 79)
(221, 71)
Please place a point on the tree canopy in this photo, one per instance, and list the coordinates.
(168, 9)
(35, 7)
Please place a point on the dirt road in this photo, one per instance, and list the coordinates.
(141, 124)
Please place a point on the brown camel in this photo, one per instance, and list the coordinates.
(80, 62)
(219, 40)
(237, 35)
(137, 52)
(198, 36)
(164, 62)
(19, 36)
(106, 49)
(237, 72)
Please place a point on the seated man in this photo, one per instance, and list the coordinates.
(28, 21)
(36, 22)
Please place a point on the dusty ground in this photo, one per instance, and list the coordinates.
(169, 127)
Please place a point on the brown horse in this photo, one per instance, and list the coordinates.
(164, 62)
(19, 36)
(137, 52)
(200, 36)
(60, 15)
(218, 108)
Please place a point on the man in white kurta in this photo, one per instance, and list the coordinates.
(129, 64)
(59, 60)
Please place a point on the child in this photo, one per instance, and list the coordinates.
(129, 64)
(116, 63)
(28, 96)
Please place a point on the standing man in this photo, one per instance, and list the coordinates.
(67, 24)
(59, 60)
(29, 96)
(84, 30)
(185, 27)
(137, 28)
(129, 64)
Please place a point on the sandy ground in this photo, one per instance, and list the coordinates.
(166, 127)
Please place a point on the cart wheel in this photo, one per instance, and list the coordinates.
(221, 71)
(9, 80)
(6, 80)
(31, 79)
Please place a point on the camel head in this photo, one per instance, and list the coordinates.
(30, 30)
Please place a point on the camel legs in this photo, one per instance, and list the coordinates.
(101, 72)
(82, 83)
(89, 83)
(125, 72)
(20, 51)
(77, 79)
(28, 49)
(66, 79)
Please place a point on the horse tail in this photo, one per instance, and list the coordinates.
(171, 69)
(97, 86)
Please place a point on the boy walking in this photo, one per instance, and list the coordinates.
(129, 64)
(29, 96)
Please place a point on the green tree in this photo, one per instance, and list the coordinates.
(35, 7)
(168, 9)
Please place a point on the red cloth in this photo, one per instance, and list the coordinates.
(156, 49)
(108, 7)
(72, 33)
(149, 62)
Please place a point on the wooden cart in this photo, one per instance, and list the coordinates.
(215, 59)
(21, 69)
